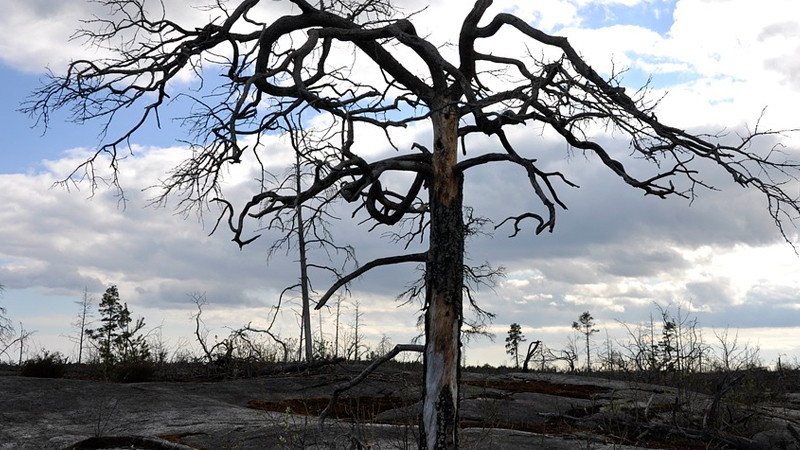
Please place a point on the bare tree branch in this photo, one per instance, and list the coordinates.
(389, 260)
(399, 348)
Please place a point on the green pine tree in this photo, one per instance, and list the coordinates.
(514, 338)
(117, 340)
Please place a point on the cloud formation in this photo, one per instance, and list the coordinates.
(613, 252)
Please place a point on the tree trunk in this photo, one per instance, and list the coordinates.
(355, 333)
(336, 336)
(530, 353)
(84, 310)
(444, 283)
(21, 342)
(588, 359)
(301, 246)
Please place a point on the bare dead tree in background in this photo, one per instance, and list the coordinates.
(6, 328)
(301, 65)
(238, 340)
(307, 226)
(570, 352)
(8, 337)
(532, 347)
(731, 354)
(82, 320)
(5, 324)
(672, 344)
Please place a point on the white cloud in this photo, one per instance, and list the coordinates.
(737, 58)
(518, 283)
(36, 33)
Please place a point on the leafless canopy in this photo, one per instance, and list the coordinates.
(281, 70)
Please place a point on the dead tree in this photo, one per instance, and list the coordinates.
(6, 329)
(8, 337)
(222, 352)
(532, 347)
(306, 226)
(82, 320)
(305, 62)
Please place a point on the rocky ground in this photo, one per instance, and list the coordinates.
(280, 411)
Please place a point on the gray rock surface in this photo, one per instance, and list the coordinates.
(498, 411)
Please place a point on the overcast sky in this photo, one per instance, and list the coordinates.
(613, 253)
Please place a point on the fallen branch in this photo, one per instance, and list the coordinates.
(363, 375)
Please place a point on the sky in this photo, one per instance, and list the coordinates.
(717, 63)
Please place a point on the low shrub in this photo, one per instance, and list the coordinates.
(133, 371)
(45, 365)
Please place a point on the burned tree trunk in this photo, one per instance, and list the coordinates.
(301, 247)
(444, 283)
(532, 347)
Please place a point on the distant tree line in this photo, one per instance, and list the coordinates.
(110, 337)
(671, 340)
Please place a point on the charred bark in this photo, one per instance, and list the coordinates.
(532, 347)
(444, 287)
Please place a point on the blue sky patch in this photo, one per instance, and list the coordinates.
(24, 145)
(655, 15)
